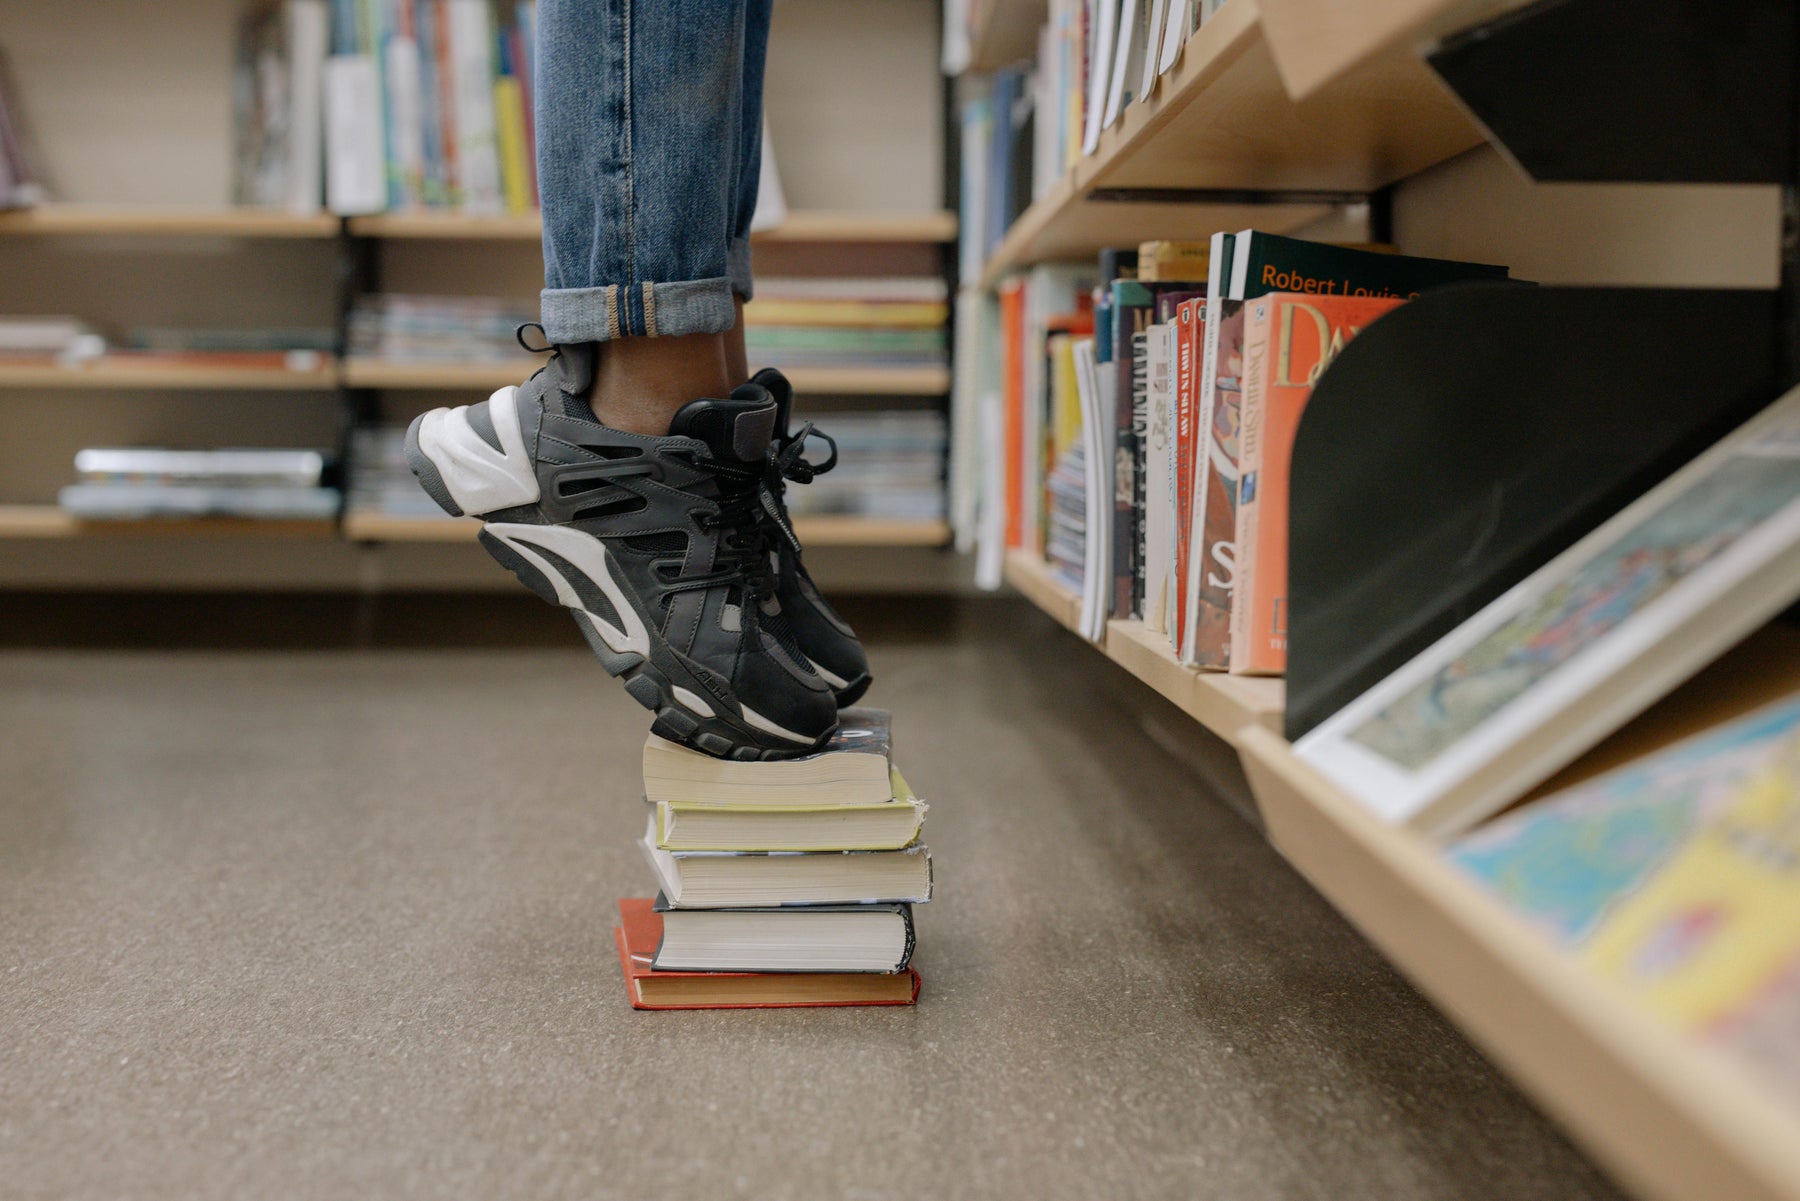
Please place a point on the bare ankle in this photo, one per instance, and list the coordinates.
(641, 383)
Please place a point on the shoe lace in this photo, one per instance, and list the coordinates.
(743, 556)
(788, 462)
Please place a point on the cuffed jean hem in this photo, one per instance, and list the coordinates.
(646, 310)
(738, 264)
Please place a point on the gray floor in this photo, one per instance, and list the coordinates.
(337, 924)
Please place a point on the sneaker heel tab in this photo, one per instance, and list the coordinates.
(575, 363)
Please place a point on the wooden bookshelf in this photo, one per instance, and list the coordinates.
(124, 221)
(363, 372)
(1224, 704)
(1222, 122)
(801, 226)
(371, 526)
(128, 373)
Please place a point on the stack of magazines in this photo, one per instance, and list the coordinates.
(897, 322)
(141, 482)
(381, 482)
(438, 329)
(890, 466)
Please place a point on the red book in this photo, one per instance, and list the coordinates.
(1012, 403)
(639, 932)
(1289, 339)
(1190, 327)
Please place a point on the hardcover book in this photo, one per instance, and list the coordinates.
(1289, 339)
(885, 826)
(1584, 643)
(851, 769)
(1190, 322)
(758, 879)
(640, 931)
(814, 938)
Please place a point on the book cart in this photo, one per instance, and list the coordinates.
(131, 112)
(1501, 421)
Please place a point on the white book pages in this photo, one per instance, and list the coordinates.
(1175, 30)
(1153, 35)
(1128, 58)
(1100, 56)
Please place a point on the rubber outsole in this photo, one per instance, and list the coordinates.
(426, 472)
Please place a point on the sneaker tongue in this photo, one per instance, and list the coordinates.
(783, 392)
(736, 429)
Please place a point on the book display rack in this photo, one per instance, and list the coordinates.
(1508, 421)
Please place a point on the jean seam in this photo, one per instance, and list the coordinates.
(625, 9)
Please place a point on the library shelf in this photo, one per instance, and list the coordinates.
(372, 526)
(366, 372)
(49, 521)
(1670, 1118)
(1225, 704)
(126, 372)
(802, 225)
(1221, 127)
(1003, 32)
(122, 220)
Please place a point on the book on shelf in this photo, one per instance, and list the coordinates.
(640, 932)
(50, 338)
(133, 483)
(1582, 644)
(818, 938)
(139, 501)
(1675, 878)
(1289, 339)
(254, 467)
(373, 105)
(398, 327)
(890, 465)
(851, 769)
(736, 879)
(278, 105)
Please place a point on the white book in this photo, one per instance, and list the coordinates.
(1153, 36)
(1128, 59)
(1217, 286)
(406, 121)
(355, 166)
(741, 879)
(1096, 425)
(472, 77)
(1175, 31)
(990, 552)
(307, 38)
(1582, 645)
(1159, 448)
(1100, 56)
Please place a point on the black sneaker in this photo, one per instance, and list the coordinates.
(829, 643)
(661, 547)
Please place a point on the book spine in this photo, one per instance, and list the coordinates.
(509, 117)
(1190, 317)
(1130, 308)
(406, 134)
(1249, 632)
(525, 64)
(1218, 278)
(308, 37)
(1140, 455)
(472, 71)
(1216, 523)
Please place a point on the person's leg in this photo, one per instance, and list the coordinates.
(640, 119)
(749, 177)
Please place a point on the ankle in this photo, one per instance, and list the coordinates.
(641, 383)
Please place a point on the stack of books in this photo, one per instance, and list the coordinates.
(782, 883)
(876, 322)
(380, 480)
(890, 467)
(129, 483)
(439, 329)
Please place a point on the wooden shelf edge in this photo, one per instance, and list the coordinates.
(1671, 1119)
(802, 225)
(95, 219)
(49, 521)
(117, 374)
(1224, 704)
(363, 525)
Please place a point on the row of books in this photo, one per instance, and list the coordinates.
(780, 883)
(128, 483)
(1147, 412)
(377, 104)
(890, 467)
(875, 322)
(438, 329)
(1037, 120)
(20, 185)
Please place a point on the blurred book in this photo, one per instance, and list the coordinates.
(845, 321)
(438, 329)
(380, 480)
(851, 769)
(49, 337)
(278, 114)
(129, 483)
(816, 938)
(890, 465)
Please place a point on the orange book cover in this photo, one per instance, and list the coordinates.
(1289, 339)
(639, 932)
(1012, 402)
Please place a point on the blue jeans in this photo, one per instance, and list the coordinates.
(649, 144)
